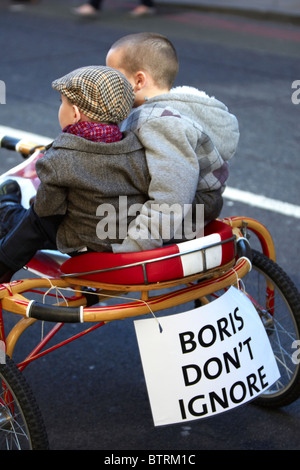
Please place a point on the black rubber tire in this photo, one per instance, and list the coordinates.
(21, 422)
(283, 332)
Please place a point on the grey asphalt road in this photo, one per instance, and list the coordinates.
(92, 393)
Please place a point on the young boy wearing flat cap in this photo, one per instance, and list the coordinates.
(90, 163)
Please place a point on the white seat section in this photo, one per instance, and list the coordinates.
(193, 262)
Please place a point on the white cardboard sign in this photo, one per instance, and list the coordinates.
(205, 361)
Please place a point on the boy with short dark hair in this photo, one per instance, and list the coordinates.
(188, 136)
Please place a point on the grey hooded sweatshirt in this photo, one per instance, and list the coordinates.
(188, 138)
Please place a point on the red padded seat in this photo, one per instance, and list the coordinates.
(161, 270)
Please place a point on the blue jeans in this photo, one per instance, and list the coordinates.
(23, 233)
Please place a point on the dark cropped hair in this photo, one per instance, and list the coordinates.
(152, 53)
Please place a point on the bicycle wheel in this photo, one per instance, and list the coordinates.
(21, 423)
(277, 301)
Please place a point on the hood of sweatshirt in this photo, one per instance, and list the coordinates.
(210, 113)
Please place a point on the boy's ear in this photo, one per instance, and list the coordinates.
(140, 80)
(76, 114)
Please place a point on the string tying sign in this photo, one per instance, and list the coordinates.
(207, 360)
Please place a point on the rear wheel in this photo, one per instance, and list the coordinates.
(277, 301)
(21, 423)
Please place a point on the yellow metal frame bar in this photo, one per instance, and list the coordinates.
(190, 288)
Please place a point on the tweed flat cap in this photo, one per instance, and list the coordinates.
(101, 93)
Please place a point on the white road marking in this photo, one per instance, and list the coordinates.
(35, 138)
(233, 194)
(262, 202)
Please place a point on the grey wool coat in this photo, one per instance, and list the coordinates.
(83, 181)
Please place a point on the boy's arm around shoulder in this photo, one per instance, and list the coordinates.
(174, 171)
